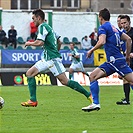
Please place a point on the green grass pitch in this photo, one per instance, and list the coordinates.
(59, 111)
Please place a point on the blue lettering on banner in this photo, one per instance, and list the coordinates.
(20, 56)
(66, 59)
(32, 56)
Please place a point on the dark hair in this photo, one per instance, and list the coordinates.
(72, 43)
(120, 16)
(105, 14)
(85, 37)
(39, 12)
(125, 16)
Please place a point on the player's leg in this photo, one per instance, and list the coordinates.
(129, 78)
(98, 73)
(71, 70)
(127, 92)
(81, 67)
(125, 72)
(126, 89)
(70, 73)
(32, 87)
(94, 87)
(59, 71)
(31, 73)
(73, 85)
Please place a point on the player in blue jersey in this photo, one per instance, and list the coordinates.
(109, 36)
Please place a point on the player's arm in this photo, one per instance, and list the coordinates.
(35, 43)
(128, 40)
(76, 56)
(100, 43)
(59, 44)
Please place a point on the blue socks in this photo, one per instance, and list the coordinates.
(94, 87)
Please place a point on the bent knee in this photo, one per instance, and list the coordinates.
(32, 72)
(70, 70)
(92, 77)
(64, 83)
(28, 73)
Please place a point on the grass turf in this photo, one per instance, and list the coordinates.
(59, 111)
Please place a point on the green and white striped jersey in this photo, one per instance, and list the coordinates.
(47, 35)
(75, 60)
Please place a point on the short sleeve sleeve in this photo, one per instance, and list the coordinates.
(101, 30)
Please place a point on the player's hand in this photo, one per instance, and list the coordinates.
(128, 60)
(27, 44)
(69, 54)
(89, 53)
(120, 77)
(131, 55)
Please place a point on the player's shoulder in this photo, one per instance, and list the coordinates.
(75, 49)
(44, 25)
(106, 25)
(57, 35)
(131, 29)
(130, 32)
(123, 30)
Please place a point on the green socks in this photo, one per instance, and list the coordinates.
(32, 88)
(76, 86)
(72, 84)
(70, 76)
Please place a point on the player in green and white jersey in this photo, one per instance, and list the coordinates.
(77, 64)
(52, 60)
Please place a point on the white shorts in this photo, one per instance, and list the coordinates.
(77, 67)
(55, 66)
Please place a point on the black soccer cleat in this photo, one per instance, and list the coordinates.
(123, 102)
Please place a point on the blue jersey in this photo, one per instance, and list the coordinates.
(123, 43)
(112, 45)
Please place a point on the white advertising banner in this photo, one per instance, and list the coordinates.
(84, 80)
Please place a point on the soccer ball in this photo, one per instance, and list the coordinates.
(1, 102)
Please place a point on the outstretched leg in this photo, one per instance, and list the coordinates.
(74, 85)
(94, 87)
(32, 88)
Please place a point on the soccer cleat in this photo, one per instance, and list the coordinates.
(91, 107)
(29, 103)
(90, 99)
(123, 102)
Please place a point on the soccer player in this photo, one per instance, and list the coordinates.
(52, 60)
(109, 36)
(124, 24)
(76, 65)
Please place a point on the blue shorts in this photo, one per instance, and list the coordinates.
(120, 66)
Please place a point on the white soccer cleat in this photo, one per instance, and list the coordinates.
(91, 107)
